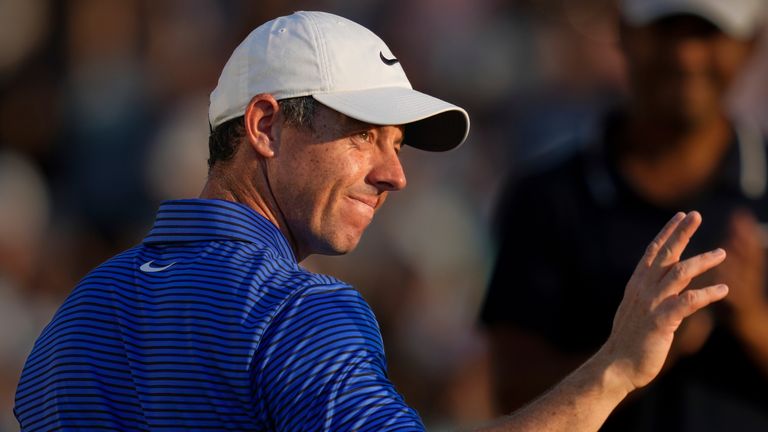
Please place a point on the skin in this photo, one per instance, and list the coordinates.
(675, 136)
(680, 70)
(321, 188)
(655, 303)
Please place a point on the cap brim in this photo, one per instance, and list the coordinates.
(430, 124)
(650, 12)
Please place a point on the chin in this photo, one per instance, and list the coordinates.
(340, 245)
(685, 115)
(694, 118)
(341, 235)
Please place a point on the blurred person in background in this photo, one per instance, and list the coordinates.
(671, 145)
(24, 213)
(177, 48)
(212, 323)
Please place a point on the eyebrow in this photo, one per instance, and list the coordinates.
(351, 124)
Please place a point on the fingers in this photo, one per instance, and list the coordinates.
(677, 308)
(670, 251)
(674, 246)
(681, 274)
(660, 240)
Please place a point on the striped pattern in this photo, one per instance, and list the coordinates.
(234, 335)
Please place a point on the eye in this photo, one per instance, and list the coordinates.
(362, 137)
(365, 136)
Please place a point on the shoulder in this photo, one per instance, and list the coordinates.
(328, 304)
(318, 327)
(543, 186)
(557, 167)
(321, 365)
(310, 291)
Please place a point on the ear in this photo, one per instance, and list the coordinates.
(260, 119)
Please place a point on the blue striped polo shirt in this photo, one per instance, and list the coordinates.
(210, 324)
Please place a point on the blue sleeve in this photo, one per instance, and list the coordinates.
(321, 366)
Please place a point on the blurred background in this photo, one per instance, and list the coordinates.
(103, 114)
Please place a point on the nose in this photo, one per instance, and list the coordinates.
(388, 174)
(689, 54)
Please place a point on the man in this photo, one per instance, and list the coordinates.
(211, 323)
(571, 231)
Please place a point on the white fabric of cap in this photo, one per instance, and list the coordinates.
(343, 65)
(738, 18)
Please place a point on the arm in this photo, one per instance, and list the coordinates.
(525, 365)
(581, 402)
(653, 307)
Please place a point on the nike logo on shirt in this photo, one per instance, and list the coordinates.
(147, 267)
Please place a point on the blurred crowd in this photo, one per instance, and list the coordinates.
(103, 114)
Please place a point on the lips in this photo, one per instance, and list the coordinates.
(367, 200)
(367, 204)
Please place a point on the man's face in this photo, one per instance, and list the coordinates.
(681, 67)
(329, 181)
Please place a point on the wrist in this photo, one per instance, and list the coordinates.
(610, 373)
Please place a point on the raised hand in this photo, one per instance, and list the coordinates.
(656, 302)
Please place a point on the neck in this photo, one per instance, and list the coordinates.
(648, 138)
(226, 185)
(668, 164)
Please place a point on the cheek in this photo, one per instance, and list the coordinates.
(331, 177)
(339, 169)
(341, 180)
(327, 168)
(730, 60)
(338, 221)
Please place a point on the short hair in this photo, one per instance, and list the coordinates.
(224, 140)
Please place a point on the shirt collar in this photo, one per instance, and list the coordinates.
(191, 220)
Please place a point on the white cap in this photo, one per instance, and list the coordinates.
(738, 18)
(344, 66)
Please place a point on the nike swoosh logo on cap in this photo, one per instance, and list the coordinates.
(147, 267)
(387, 61)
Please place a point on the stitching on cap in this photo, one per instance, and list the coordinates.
(243, 83)
(321, 48)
